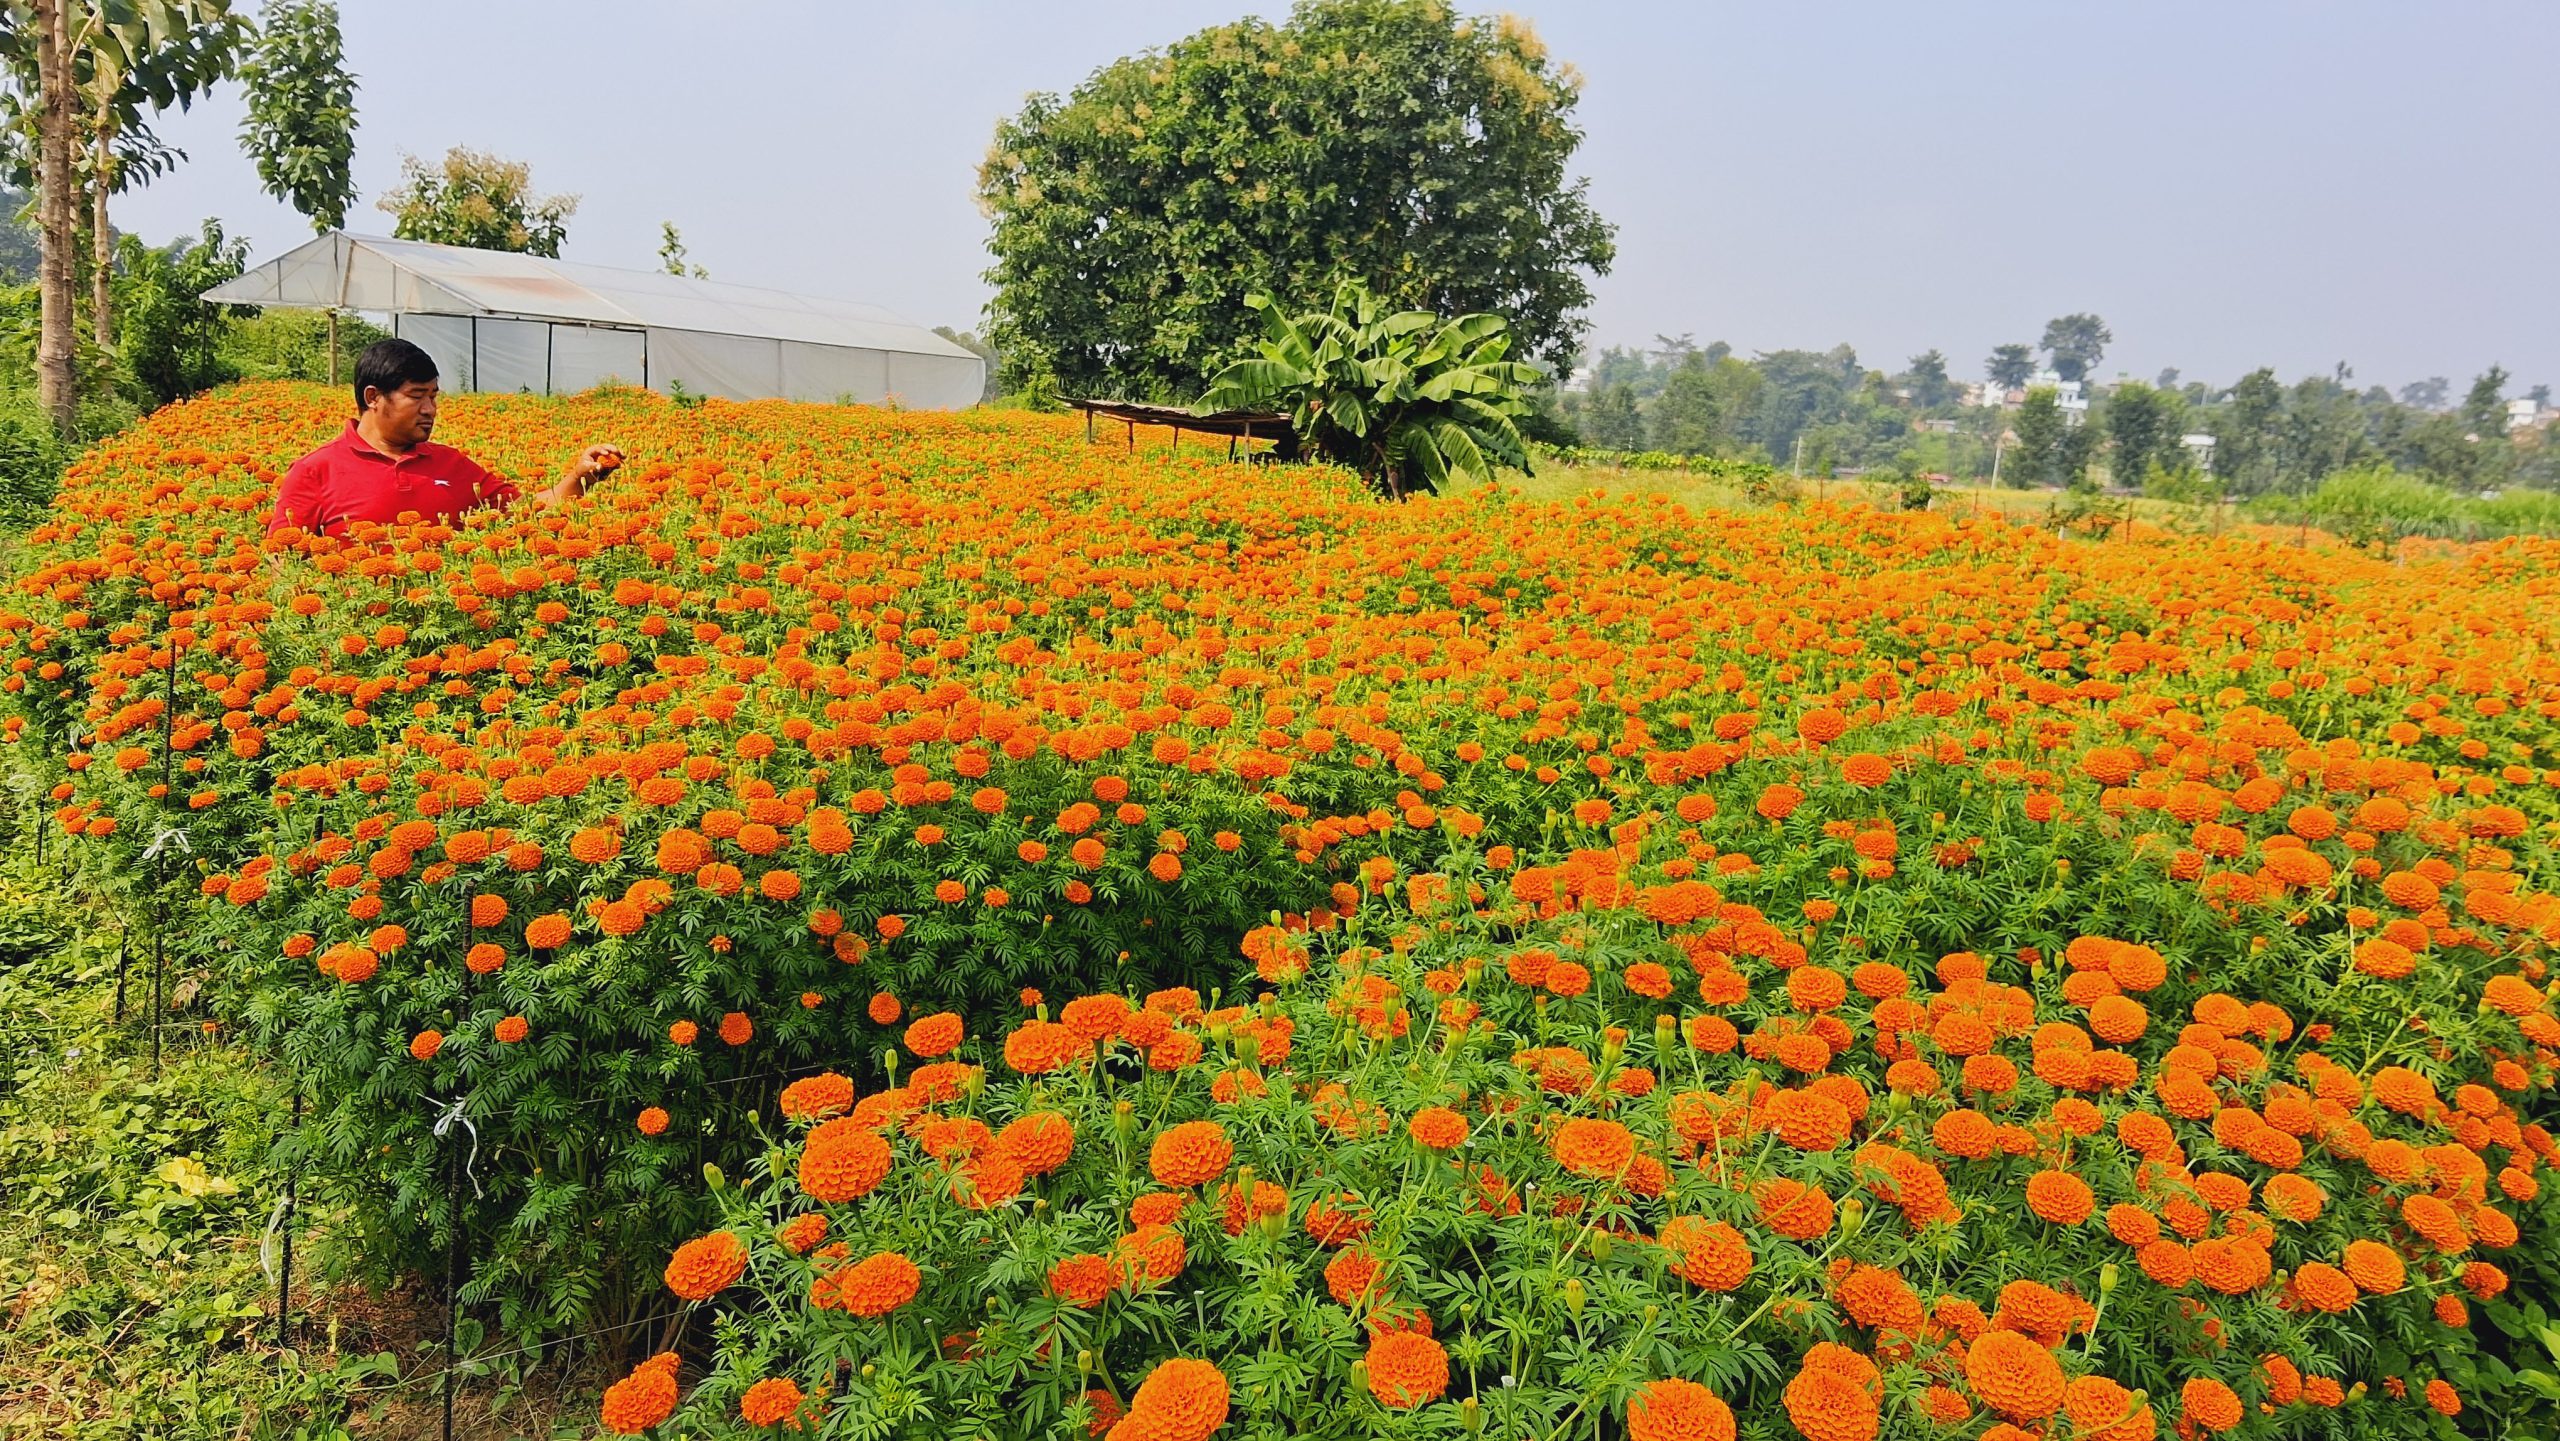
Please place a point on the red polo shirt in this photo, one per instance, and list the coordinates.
(347, 481)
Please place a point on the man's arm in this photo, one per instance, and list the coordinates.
(591, 465)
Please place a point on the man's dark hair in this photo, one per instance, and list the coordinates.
(387, 365)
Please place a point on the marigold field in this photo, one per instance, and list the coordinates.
(968, 933)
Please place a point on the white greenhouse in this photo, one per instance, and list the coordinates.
(497, 320)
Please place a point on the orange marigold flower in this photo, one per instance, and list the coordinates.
(545, 933)
(771, 1402)
(1866, 768)
(653, 1121)
(1084, 1280)
(1673, 1409)
(645, 1398)
(707, 1265)
(1036, 1048)
(1438, 1128)
(873, 1286)
(843, 1160)
(736, 1029)
(1792, 1208)
(814, 1098)
(883, 1010)
(1707, 1254)
(1181, 1400)
(1191, 1154)
(1833, 1398)
(1595, 1148)
(1351, 1276)
(2102, 1410)
(2211, 1405)
(424, 1045)
(511, 1029)
(936, 1035)
(1407, 1368)
(2374, 1267)
(803, 1232)
(2014, 1376)
(2060, 1197)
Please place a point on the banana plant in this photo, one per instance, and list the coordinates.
(1407, 399)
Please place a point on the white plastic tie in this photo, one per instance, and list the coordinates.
(445, 1122)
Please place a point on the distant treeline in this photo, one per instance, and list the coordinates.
(1825, 410)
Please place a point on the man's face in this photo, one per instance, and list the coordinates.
(407, 416)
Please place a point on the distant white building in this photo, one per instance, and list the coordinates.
(2066, 393)
(2526, 413)
(2200, 450)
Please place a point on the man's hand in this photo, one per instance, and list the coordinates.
(595, 463)
(592, 464)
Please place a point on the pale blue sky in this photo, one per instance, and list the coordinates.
(2229, 184)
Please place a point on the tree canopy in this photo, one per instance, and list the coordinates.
(1387, 141)
(479, 200)
(301, 126)
(2073, 344)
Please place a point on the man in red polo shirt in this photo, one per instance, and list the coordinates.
(384, 466)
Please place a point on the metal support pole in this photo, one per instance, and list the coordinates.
(124, 949)
(453, 1198)
(284, 1271)
(160, 867)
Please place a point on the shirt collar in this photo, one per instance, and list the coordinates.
(357, 446)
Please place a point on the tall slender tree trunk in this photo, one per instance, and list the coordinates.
(55, 381)
(102, 252)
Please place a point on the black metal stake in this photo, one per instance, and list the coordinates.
(160, 865)
(159, 963)
(452, 1274)
(124, 949)
(453, 1195)
(284, 1272)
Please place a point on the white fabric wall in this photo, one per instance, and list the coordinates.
(823, 372)
(446, 339)
(511, 355)
(736, 367)
(934, 382)
(491, 353)
(585, 356)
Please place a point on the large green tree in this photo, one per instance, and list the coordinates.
(1706, 405)
(1388, 141)
(2073, 344)
(78, 81)
(1927, 380)
(478, 200)
(2010, 366)
(301, 125)
(2039, 424)
(2143, 427)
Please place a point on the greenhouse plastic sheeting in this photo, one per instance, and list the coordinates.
(510, 355)
(737, 366)
(447, 341)
(739, 341)
(586, 356)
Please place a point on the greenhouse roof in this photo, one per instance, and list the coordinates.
(364, 272)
